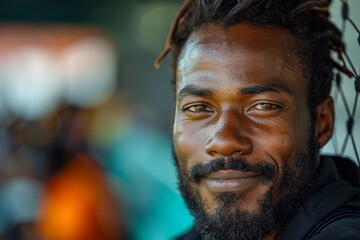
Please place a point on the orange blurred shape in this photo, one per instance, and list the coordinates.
(79, 205)
(55, 37)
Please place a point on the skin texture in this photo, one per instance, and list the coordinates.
(242, 92)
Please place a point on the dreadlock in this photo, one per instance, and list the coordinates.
(308, 20)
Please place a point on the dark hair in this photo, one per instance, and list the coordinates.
(308, 20)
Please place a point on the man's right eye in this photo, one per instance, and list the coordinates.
(198, 109)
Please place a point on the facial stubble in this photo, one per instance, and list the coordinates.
(229, 221)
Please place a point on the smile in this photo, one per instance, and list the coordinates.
(231, 181)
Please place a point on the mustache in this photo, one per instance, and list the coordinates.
(201, 170)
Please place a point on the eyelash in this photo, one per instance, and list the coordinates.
(204, 108)
(266, 106)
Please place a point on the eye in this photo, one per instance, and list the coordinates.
(265, 106)
(200, 108)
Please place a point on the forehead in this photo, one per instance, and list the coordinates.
(242, 51)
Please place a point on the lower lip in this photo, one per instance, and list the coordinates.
(232, 185)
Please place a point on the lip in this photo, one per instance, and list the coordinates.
(231, 181)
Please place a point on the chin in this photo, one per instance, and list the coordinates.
(250, 214)
(248, 201)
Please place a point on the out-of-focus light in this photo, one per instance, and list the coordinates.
(89, 68)
(153, 21)
(42, 66)
(30, 86)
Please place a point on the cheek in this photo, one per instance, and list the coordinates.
(184, 144)
(282, 139)
(189, 139)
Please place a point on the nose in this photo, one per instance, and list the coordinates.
(229, 136)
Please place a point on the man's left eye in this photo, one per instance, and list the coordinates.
(266, 106)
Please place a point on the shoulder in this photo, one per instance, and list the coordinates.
(341, 229)
(347, 230)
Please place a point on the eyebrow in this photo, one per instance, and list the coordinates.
(205, 92)
(265, 88)
(193, 90)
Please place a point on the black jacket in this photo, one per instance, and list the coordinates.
(336, 187)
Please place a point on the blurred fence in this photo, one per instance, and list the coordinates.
(346, 139)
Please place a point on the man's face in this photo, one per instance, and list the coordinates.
(243, 138)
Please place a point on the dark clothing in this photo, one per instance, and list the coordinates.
(336, 186)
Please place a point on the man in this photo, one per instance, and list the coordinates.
(252, 80)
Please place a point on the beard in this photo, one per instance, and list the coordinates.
(228, 221)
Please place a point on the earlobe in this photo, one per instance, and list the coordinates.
(325, 121)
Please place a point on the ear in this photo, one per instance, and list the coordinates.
(325, 118)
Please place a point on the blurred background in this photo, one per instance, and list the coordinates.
(85, 119)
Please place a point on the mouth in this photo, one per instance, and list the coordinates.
(231, 180)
